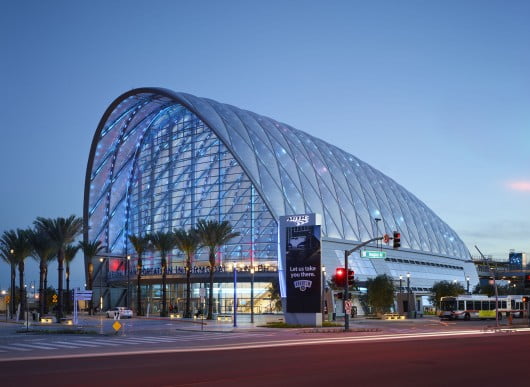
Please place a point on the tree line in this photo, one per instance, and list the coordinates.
(53, 239)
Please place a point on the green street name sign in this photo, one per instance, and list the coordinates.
(373, 254)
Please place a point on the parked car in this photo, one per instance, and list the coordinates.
(120, 311)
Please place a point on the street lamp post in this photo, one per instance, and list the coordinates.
(101, 283)
(408, 296)
(323, 291)
(377, 220)
(252, 294)
(467, 282)
(400, 302)
(234, 269)
(12, 300)
(127, 301)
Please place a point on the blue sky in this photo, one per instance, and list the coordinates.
(435, 94)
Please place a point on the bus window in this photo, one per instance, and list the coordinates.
(461, 305)
(513, 304)
(448, 305)
(503, 304)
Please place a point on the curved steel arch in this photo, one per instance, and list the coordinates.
(295, 172)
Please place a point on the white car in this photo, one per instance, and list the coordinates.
(120, 311)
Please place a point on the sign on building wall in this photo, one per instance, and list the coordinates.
(302, 264)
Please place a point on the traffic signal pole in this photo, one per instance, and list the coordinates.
(347, 253)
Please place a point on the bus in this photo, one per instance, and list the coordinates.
(466, 307)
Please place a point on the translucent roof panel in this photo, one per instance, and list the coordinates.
(291, 171)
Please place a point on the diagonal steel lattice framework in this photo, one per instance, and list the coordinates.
(161, 160)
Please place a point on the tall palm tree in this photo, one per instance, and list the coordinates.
(69, 254)
(141, 245)
(20, 247)
(91, 250)
(163, 242)
(7, 255)
(61, 231)
(213, 234)
(43, 250)
(187, 242)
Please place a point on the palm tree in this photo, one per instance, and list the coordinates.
(187, 242)
(91, 250)
(19, 246)
(141, 245)
(43, 250)
(7, 255)
(213, 234)
(61, 231)
(163, 242)
(69, 254)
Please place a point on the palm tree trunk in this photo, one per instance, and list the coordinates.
(90, 286)
(60, 269)
(67, 303)
(46, 290)
(139, 287)
(42, 300)
(210, 296)
(13, 281)
(21, 290)
(187, 314)
(163, 312)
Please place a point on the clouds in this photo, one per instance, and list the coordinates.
(520, 186)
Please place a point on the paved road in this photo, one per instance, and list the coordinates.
(486, 360)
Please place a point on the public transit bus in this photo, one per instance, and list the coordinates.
(466, 307)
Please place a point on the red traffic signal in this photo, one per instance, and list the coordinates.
(340, 276)
(396, 240)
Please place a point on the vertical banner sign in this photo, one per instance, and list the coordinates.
(302, 264)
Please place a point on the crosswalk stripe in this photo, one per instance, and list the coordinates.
(78, 344)
(139, 341)
(14, 348)
(64, 345)
(104, 343)
(34, 346)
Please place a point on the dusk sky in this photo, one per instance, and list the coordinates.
(435, 94)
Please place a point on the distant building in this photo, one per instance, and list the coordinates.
(161, 160)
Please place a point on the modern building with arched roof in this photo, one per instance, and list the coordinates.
(161, 160)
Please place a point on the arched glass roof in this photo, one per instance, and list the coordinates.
(292, 171)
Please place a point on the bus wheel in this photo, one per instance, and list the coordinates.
(467, 317)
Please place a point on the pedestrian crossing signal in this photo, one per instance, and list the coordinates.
(54, 298)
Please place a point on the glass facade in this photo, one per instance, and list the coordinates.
(161, 160)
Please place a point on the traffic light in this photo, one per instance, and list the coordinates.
(527, 281)
(340, 276)
(397, 240)
(351, 277)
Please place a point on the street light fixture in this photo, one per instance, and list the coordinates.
(377, 220)
(323, 291)
(101, 259)
(467, 281)
(128, 282)
(252, 294)
(400, 292)
(234, 269)
(410, 304)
